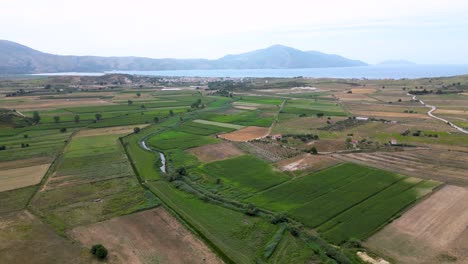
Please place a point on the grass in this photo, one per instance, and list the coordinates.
(246, 174)
(179, 140)
(261, 100)
(15, 200)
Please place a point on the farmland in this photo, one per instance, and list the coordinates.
(167, 170)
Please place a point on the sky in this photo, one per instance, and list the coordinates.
(422, 31)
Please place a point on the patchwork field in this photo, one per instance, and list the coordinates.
(246, 134)
(345, 201)
(434, 231)
(152, 236)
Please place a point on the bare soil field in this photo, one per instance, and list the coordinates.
(213, 152)
(451, 112)
(246, 134)
(152, 236)
(11, 179)
(363, 90)
(306, 161)
(389, 114)
(108, 131)
(25, 239)
(327, 145)
(433, 231)
(446, 166)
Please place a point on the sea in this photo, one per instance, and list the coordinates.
(362, 72)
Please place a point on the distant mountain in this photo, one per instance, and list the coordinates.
(17, 59)
(396, 62)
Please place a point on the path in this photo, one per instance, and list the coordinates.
(275, 120)
(433, 108)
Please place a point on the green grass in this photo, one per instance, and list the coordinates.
(179, 140)
(312, 107)
(246, 174)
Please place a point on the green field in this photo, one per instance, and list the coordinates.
(261, 100)
(244, 118)
(245, 174)
(202, 129)
(179, 140)
(324, 199)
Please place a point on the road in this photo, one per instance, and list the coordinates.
(433, 108)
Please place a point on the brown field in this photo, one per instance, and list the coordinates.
(429, 232)
(354, 97)
(446, 166)
(390, 114)
(246, 134)
(270, 151)
(327, 145)
(25, 239)
(21, 177)
(363, 90)
(213, 152)
(451, 112)
(152, 236)
(306, 161)
(108, 131)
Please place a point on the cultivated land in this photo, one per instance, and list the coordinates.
(210, 170)
(152, 236)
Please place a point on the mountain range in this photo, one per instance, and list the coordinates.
(19, 59)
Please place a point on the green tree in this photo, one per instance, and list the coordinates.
(56, 119)
(129, 102)
(36, 117)
(320, 115)
(98, 116)
(156, 119)
(171, 113)
(136, 130)
(138, 94)
(77, 118)
(99, 251)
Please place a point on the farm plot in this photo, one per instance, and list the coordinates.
(21, 177)
(146, 237)
(245, 174)
(433, 231)
(244, 118)
(214, 152)
(267, 150)
(89, 159)
(306, 107)
(348, 195)
(441, 165)
(202, 129)
(233, 126)
(246, 134)
(179, 140)
(261, 100)
(25, 239)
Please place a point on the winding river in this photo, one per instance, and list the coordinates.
(161, 155)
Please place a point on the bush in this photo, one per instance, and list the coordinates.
(136, 130)
(2, 147)
(63, 129)
(251, 210)
(279, 218)
(99, 251)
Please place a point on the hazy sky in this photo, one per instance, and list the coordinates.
(423, 31)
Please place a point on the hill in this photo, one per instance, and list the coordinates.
(19, 59)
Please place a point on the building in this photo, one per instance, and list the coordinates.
(277, 137)
(393, 141)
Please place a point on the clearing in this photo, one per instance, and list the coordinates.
(246, 134)
(430, 232)
(213, 152)
(306, 161)
(152, 236)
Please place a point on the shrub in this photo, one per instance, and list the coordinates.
(279, 218)
(136, 130)
(2, 147)
(99, 251)
(63, 129)
(251, 210)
